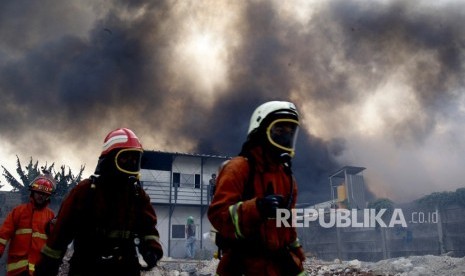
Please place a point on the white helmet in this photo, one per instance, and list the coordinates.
(282, 121)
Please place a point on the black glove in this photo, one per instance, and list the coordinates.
(50, 225)
(151, 258)
(268, 205)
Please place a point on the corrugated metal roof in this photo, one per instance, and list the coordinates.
(347, 169)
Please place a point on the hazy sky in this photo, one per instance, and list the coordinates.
(379, 84)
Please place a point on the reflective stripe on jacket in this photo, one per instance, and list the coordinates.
(24, 228)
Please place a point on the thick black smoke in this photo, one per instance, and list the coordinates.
(69, 73)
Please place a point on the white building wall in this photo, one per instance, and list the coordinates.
(157, 185)
(187, 164)
(204, 244)
(163, 226)
(184, 201)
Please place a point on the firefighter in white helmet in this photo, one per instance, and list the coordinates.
(108, 217)
(250, 188)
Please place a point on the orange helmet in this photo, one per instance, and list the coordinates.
(43, 183)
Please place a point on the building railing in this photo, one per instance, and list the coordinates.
(166, 192)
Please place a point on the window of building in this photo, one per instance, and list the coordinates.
(197, 181)
(178, 231)
(176, 179)
(187, 180)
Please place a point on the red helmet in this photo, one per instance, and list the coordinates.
(121, 138)
(44, 184)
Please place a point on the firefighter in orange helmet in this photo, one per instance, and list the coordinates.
(250, 188)
(108, 217)
(25, 227)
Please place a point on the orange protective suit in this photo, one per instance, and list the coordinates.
(24, 227)
(255, 246)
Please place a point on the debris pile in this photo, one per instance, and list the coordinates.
(402, 266)
(337, 267)
(183, 267)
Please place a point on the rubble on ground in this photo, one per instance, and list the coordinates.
(183, 267)
(402, 266)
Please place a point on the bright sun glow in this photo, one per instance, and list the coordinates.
(201, 50)
(205, 52)
(299, 10)
(391, 103)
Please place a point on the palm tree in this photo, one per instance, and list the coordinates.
(65, 181)
(25, 177)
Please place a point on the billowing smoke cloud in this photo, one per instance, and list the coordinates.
(378, 83)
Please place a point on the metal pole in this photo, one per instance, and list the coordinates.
(201, 202)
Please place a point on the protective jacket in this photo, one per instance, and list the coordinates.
(24, 228)
(103, 220)
(253, 245)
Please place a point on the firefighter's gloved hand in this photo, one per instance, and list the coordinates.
(151, 258)
(47, 266)
(268, 205)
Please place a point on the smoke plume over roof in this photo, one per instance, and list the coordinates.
(379, 84)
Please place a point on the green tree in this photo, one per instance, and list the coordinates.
(438, 200)
(65, 181)
(382, 203)
(460, 196)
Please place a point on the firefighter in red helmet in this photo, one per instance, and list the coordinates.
(108, 217)
(250, 188)
(25, 227)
